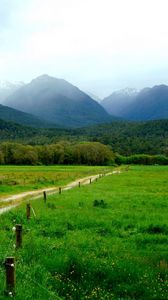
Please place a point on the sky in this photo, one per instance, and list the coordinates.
(98, 45)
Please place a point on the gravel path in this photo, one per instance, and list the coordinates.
(18, 198)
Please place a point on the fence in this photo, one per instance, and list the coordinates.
(8, 263)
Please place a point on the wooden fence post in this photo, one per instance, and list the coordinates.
(10, 276)
(79, 184)
(18, 236)
(90, 180)
(45, 196)
(28, 211)
(60, 190)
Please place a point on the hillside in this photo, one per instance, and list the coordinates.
(126, 138)
(59, 102)
(11, 131)
(14, 115)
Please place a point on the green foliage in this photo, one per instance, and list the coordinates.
(142, 159)
(90, 153)
(99, 203)
(125, 138)
(2, 161)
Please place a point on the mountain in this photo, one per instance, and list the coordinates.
(10, 114)
(94, 97)
(147, 104)
(150, 104)
(117, 102)
(59, 102)
(7, 88)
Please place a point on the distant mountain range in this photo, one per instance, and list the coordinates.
(58, 102)
(50, 102)
(147, 104)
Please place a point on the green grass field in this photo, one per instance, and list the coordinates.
(15, 179)
(78, 248)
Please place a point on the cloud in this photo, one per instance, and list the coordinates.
(83, 40)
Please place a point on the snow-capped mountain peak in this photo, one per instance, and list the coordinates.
(127, 92)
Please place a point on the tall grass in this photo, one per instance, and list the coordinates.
(74, 249)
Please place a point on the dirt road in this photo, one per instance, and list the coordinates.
(15, 200)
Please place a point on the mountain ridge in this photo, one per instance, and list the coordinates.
(58, 101)
(147, 104)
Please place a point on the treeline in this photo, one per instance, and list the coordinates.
(141, 159)
(84, 153)
(87, 153)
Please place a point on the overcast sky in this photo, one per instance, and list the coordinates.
(98, 45)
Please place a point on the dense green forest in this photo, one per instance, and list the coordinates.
(125, 138)
(83, 153)
(88, 153)
(129, 138)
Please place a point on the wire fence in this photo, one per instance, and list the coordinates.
(109, 250)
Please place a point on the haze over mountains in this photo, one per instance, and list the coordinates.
(8, 88)
(50, 102)
(147, 104)
(57, 102)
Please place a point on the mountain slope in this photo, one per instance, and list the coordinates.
(11, 114)
(117, 102)
(150, 104)
(58, 101)
(12, 131)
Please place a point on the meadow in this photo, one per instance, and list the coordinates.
(16, 179)
(106, 240)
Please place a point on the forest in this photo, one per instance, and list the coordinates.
(125, 138)
(118, 142)
(80, 153)
(88, 153)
